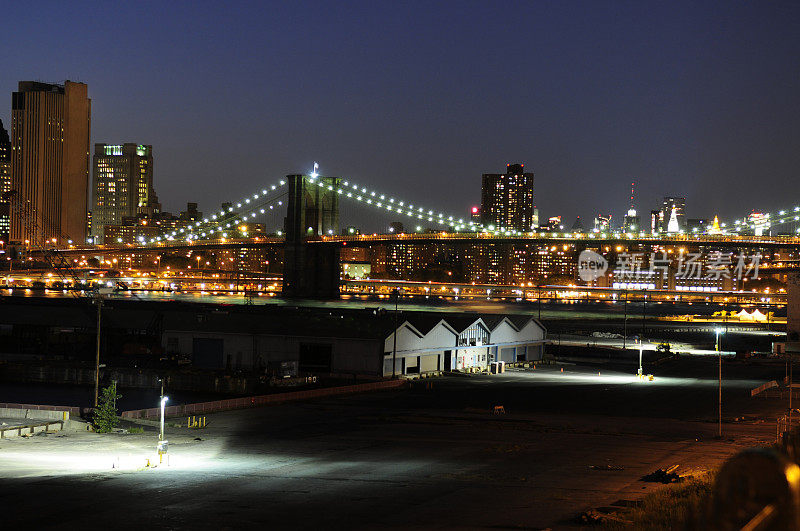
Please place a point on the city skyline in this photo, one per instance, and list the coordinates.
(647, 107)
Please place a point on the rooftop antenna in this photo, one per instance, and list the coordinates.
(632, 209)
(632, 187)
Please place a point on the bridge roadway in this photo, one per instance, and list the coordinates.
(365, 240)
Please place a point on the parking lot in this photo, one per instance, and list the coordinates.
(431, 456)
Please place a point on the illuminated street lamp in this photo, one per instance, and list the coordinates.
(639, 341)
(163, 405)
(719, 331)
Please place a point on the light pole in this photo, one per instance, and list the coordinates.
(640, 355)
(719, 331)
(163, 405)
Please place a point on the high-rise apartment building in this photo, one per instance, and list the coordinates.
(123, 185)
(507, 199)
(678, 204)
(655, 221)
(50, 127)
(5, 183)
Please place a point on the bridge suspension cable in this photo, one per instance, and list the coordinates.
(373, 198)
(250, 206)
(223, 220)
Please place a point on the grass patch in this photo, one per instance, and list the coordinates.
(135, 429)
(676, 506)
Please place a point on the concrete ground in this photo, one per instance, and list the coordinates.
(423, 458)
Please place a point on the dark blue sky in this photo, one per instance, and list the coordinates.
(420, 98)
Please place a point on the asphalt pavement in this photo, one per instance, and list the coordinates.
(433, 456)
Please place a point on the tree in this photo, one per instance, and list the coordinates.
(105, 416)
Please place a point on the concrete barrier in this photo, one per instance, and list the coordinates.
(31, 429)
(72, 410)
(36, 414)
(262, 400)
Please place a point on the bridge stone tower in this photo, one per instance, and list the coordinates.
(311, 270)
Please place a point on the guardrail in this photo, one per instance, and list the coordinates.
(261, 400)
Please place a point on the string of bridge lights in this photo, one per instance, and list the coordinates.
(222, 221)
(230, 218)
(379, 201)
(246, 209)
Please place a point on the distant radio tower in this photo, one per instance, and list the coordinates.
(632, 209)
(632, 186)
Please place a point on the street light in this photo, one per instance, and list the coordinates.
(640, 354)
(163, 405)
(719, 331)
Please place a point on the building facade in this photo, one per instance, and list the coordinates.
(123, 185)
(507, 199)
(5, 184)
(50, 126)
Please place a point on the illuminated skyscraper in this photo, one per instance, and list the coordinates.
(631, 222)
(5, 182)
(123, 185)
(50, 160)
(678, 204)
(507, 199)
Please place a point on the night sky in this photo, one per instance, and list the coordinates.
(420, 98)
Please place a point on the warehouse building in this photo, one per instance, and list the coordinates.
(313, 341)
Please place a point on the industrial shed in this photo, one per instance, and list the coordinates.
(315, 341)
(447, 342)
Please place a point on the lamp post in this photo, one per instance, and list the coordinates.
(163, 405)
(640, 355)
(719, 331)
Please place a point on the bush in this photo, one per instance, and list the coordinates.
(105, 416)
(677, 506)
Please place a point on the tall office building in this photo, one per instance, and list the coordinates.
(678, 204)
(123, 185)
(507, 199)
(50, 160)
(5, 183)
(655, 221)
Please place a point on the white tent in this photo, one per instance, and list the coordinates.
(744, 316)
